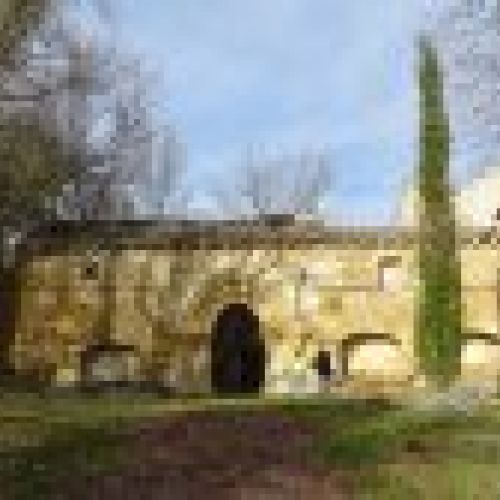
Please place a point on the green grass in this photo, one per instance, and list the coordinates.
(43, 439)
(387, 451)
(401, 454)
(32, 472)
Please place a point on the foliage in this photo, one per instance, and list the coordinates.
(439, 314)
(80, 136)
(17, 18)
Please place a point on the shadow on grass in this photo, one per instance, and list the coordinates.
(34, 472)
(402, 454)
(379, 444)
(83, 436)
(384, 437)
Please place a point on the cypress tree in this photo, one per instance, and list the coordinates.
(439, 310)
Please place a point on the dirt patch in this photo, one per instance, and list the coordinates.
(221, 456)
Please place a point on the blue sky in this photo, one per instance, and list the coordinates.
(289, 74)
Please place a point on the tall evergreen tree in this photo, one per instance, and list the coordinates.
(439, 311)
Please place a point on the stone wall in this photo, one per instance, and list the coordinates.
(160, 304)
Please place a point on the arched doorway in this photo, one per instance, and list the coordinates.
(480, 357)
(238, 352)
(371, 355)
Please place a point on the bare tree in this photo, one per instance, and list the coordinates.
(80, 135)
(17, 17)
(291, 184)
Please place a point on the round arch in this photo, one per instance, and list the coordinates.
(226, 286)
(486, 337)
(357, 341)
(480, 356)
(238, 354)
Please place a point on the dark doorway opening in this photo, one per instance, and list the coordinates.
(238, 352)
(323, 365)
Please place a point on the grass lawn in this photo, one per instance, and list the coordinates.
(395, 453)
(389, 452)
(43, 438)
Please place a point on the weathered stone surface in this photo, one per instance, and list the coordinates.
(161, 300)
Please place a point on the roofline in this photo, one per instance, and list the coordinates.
(189, 234)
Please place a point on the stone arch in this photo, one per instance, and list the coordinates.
(480, 356)
(359, 340)
(490, 338)
(224, 286)
(238, 355)
(194, 312)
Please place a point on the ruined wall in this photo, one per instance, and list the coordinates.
(163, 304)
(356, 302)
(60, 308)
(480, 349)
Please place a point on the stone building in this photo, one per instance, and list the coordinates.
(275, 305)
